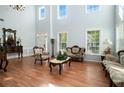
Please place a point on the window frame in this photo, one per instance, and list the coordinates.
(39, 12)
(121, 12)
(93, 29)
(58, 12)
(39, 36)
(58, 40)
(87, 12)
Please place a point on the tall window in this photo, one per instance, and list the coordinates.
(41, 40)
(120, 29)
(92, 8)
(61, 11)
(93, 41)
(121, 13)
(62, 40)
(42, 12)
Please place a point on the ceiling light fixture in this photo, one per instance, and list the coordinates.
(18, 7)
(1, 19)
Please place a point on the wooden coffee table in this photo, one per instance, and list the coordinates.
(54, 62)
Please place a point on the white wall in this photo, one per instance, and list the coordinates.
(23, 22)
(119, 30)
(75, 24)
(78, 21)
(43, 26)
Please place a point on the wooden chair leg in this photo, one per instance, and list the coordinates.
(35, 61)
(41, 61)
(48, 60)
(103, 66)
(106, 73)
(111, 83)
(82, 59)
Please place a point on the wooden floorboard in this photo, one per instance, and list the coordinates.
(27, 74)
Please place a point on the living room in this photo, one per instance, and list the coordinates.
(75, 25)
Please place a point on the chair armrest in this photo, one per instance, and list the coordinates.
(111, 58)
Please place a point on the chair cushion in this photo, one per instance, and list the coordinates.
(45, 57)
(110, 67)
(38, 51)
(37, 56)
(107, 62)
(75, 50)
(117, 76)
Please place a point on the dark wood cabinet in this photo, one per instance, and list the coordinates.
(10, 43)
(16, 49)
(3, 59)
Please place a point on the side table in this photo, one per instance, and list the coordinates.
(55, 62)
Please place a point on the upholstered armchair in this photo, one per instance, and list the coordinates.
(75, 52)
(40, 54)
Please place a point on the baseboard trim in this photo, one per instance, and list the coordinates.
(26, 52)
(16, 56)
(92, 61)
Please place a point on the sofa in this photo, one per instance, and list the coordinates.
(75, 53)
(114, 67)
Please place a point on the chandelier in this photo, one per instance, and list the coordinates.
(18, 7)
(1, 19)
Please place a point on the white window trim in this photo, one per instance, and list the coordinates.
(119, 34)
(61, 17)
(121, 12)
(92, 29)
(59, 40)
(41, 18)
(91, 12)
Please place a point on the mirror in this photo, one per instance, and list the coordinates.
(9, 37)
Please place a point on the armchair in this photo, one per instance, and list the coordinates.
(40, 54)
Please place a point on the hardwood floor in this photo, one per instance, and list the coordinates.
(28, 74)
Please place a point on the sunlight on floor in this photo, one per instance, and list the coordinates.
(51, 85)
(48, 85)
(8, 78)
